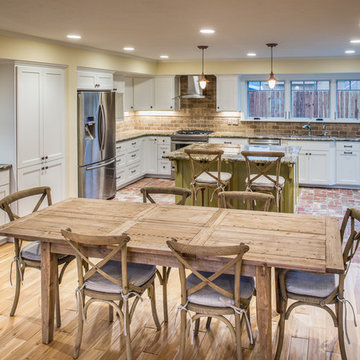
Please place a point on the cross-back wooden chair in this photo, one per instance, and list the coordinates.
(319, 290)
(213, 294)
(147, 192)
(201, 177)
(252, 199)
(258, 177)
(110, 281)
(30, 255)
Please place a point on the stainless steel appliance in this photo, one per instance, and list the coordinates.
(182, 138)
(96, 144)
(264, 141)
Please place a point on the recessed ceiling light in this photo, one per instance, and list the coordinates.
(164, 56)
(73, 36)
(355, 41)
(207, 31)
(349, 51)
(250, 54)
(129, 48)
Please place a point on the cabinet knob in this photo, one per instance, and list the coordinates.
(42, 158)
(171, 107)
(42, 168)
(150, 107)
(46, 157)
(46, 167)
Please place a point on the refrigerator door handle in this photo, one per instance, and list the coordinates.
(100, 127)
(104, 129)
(101, 165)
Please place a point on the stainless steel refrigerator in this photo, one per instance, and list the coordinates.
(96, 144)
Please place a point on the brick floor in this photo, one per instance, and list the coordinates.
(315, 201)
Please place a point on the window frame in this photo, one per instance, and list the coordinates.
(336, 93)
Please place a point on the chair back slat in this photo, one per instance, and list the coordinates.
(251, 198)
(118, 244)
(186, 256)
(148, 190)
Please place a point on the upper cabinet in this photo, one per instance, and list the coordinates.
(165, 93)
(227, 93)
(129, 94)
(143, 93)
(91, 80)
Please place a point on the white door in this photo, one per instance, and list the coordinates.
(53, 113)
(348, 168)
(29, 112)
(319, 167)
(150, 155)
(53, 176)
(227, 92)
(143, 94)
(164, 92)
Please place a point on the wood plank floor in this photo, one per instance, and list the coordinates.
(309, 334)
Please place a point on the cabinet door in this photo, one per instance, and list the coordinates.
(164, 92)
(319, 167)
(143, 94)
(54, 176)
(4, 191)
(227, 93)
(129, 95)
(348, 168)
(86, 80)
(53, 99)
(150, 155)
(105, 81)
(303, 168)
(29, 132)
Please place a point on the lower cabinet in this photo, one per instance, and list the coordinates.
(4, 191)
(348, 163)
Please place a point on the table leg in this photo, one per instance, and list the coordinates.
(48, 284)
(263, 310)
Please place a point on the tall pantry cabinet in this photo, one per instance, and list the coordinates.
(34, 129)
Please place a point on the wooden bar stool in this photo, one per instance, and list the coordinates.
(202, 178)
(252, 199)
(261, 180)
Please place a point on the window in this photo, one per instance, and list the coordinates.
(264, 102)
(310, 99)
(348, 99)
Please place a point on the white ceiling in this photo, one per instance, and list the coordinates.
(307, 28)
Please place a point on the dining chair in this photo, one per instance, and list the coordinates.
(254, 201)
(261, 180)
(201, 176)
(110, 281)
(216, 294)
(320, 290)
(147, 192)
(29, 256)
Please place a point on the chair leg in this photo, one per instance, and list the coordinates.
(164, 289)
(340, 318)
(182, 334)
(79, 334)
(57, 303)
(238, 337)
(127, 337)
(208, 322)
(202, 197)
(17, 290)
(197, 326)
(251, 345)
(193, 194)
(151, 292)
(111, 314)
(281, 326)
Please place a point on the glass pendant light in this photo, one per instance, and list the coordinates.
(202, 80)
(271, 80)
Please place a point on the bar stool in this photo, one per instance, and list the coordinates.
(261, 180)
(205, 179)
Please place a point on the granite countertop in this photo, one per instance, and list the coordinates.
(232, 153)
(133, 134)
(225, 134)
(5, 166)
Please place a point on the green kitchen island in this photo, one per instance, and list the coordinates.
(234, 163)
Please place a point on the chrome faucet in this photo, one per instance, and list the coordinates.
(325, 131)
(307, 126)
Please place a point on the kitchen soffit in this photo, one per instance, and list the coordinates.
(303, 28)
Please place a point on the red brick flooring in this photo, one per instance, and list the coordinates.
(315, 201)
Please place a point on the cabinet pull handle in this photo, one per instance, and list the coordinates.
(347, 146)
(227, 142)
(46, 167)
(133, 171)
(133, 155)
(134, 143)
(347, 152)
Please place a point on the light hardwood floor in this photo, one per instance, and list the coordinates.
(309, 333)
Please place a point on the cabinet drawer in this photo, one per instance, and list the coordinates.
(163, 140)
(347, 145)
(121, 147)
(135, 144)
(164, 167)
(120, 161)
(133, 156)
(163, 150)
(121, 177)
(134, 171)
(312, 145)
(4, 177)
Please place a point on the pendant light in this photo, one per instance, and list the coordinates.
(202, 80)
(271, 80)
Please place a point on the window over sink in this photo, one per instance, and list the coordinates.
(348, 99)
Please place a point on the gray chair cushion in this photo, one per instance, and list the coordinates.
(206, 178)
(209, 297)
(263, 181)
(32, 252)
(304, 283)
(138, 275)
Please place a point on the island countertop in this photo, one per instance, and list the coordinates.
(232, 153)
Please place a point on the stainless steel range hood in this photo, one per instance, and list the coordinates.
(193, 90)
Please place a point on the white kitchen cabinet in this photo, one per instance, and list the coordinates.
(164, 87)
(227, 93)
(4, 191)
(92, 80)
(143, 93)
(150, 155)
(228, 141)
(348, 163)
(129, 94)
(163, 148)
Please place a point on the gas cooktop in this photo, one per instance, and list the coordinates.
(193, 132)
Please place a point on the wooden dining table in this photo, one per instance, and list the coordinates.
(276, 240)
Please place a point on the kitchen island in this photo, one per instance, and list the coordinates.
(234, 163)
